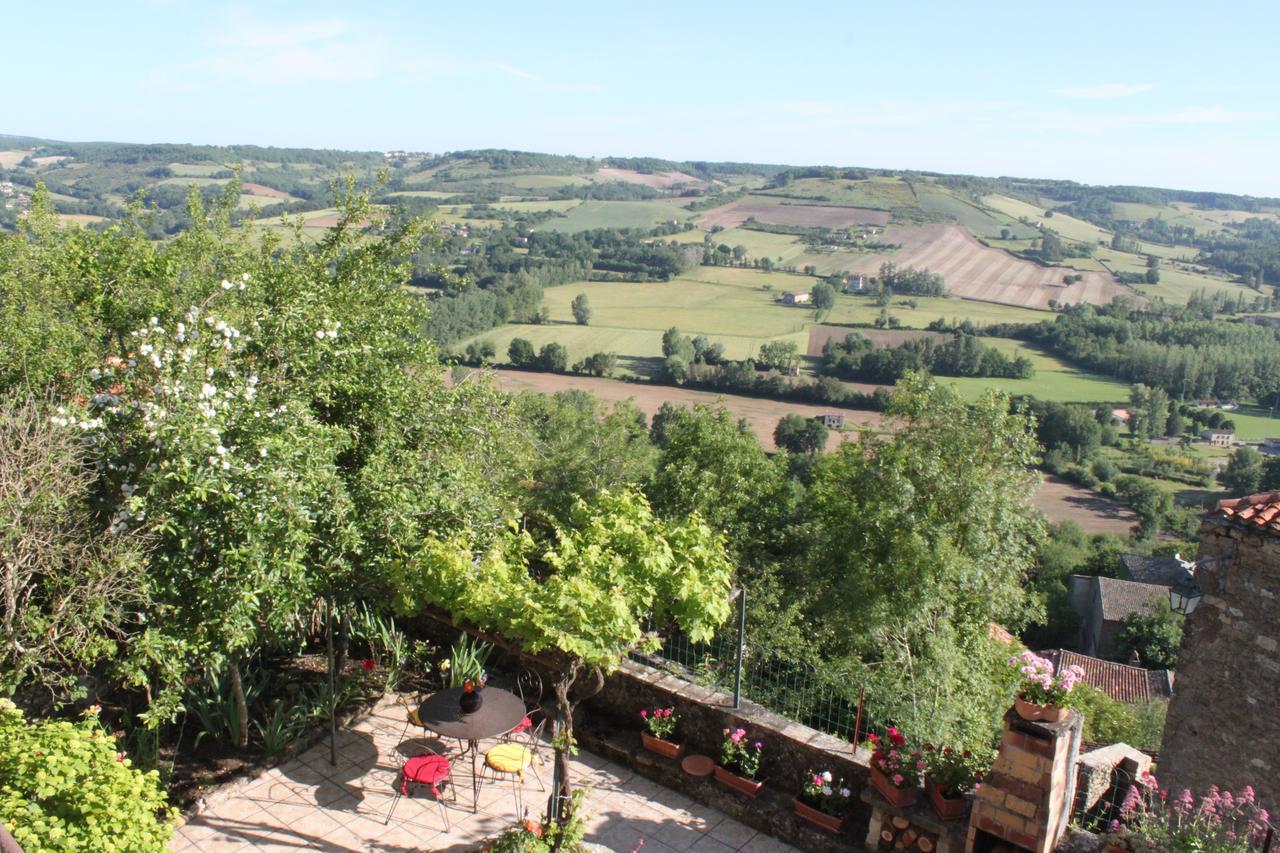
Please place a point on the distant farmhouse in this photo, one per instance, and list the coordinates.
(1270, 446)
(795, 297)
(1219, 437)
(831, 421)
(855, 283)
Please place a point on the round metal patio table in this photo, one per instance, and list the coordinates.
(501, 712)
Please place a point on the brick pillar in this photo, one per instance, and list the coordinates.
(1025, 801)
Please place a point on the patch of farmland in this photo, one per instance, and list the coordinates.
(1067, 226)
(974, 271)
(762, 415)
(819, 335)
(879, 193)
(197, 170)
(619, 214)
(331, 219)
(657, 180)
(772, 211)
(79, 218)
(49, 160)
(1062, 501)
(544, 182)
(9, 159)
(265, 192)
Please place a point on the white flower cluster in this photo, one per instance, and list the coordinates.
(329, 330)
(227, 284)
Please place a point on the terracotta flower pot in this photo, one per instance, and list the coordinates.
(1116, 848)
(749, 788)
(1044, 713)
(947, 808)
(665, 748)
(818, 818)
(895, 795)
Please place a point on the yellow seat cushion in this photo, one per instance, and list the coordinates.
(509, 758)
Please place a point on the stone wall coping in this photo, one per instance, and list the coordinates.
(749, 714)
(1114, 755)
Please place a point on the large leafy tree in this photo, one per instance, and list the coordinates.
(270, 417)
(586, 596)
(920, 542)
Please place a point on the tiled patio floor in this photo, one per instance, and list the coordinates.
(307, 804)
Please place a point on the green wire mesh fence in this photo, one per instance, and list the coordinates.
(822, 700)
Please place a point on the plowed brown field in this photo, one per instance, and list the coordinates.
(819, 335)
(974, 271)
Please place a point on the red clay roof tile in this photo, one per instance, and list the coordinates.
(1129, 684)
(1260, 511)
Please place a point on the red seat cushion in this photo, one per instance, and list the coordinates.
(526, 723)
(426, 769)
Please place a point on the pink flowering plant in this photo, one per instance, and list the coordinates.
(901, 765)
(1220, 822)
(826, 793)
(1039, 685)
(740, 754)
(661, 722)
(956, 771)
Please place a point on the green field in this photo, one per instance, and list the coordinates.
(1176, 285)
(880, 193)
(188, 170)
(620, 214)
(782, 248)
(735, 306)
(1054, 379)
(1067, 226)
(940, 204)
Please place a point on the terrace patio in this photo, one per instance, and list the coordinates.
(307, 804)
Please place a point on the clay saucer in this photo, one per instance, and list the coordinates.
(698, 765)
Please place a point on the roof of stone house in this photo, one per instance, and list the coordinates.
(1258, 512)
(1128, 684)
(1165, 571)
(1120, 598)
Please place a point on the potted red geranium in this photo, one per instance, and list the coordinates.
(824, 801)
(661, 724)
(951, 776)
(895, 767)
(740, 763)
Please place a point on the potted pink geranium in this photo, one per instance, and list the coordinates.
(740, 763)
(1042, 695)
(661, 724)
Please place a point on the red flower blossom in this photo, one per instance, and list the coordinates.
(368, 665)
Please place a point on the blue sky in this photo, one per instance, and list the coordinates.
(1172, 94)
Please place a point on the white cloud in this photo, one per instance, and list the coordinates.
(514, 71)
(275, 53)
(1104, 91)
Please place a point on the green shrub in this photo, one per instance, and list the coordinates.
(64, 787)
(1108, 721)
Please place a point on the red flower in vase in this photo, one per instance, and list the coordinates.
(468, 686)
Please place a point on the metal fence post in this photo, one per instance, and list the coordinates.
(742, 629)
